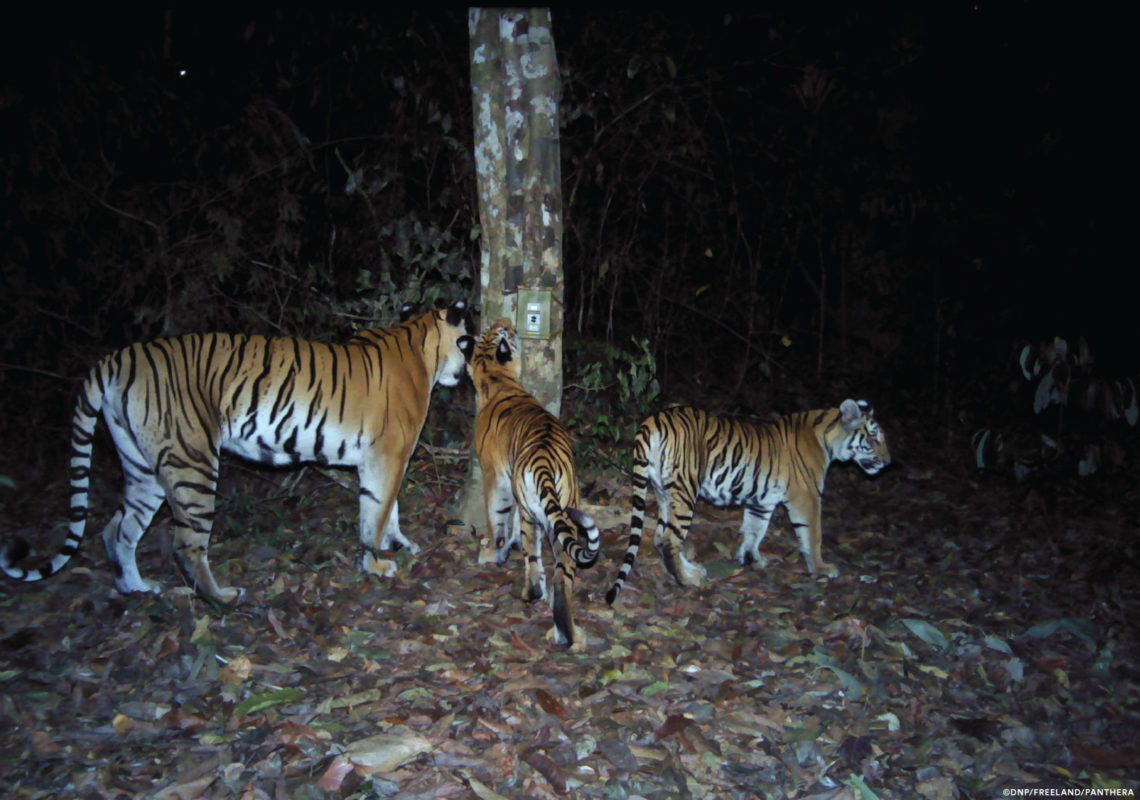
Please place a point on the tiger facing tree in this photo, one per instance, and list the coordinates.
(529, 481)
(172, 405)
(687, 455)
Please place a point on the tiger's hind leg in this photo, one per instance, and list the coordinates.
(672, 528)
(503, 521)
(564, 633)
(142, 497)
(534, 589)
(192, 504)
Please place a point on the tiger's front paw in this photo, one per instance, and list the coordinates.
(503, 547)
(371, 565)
(555, 636)
(752, 558)
(230, 595)
(395, 540)
(140, 585)
(502, 556)
(692, 574)
(827, 570)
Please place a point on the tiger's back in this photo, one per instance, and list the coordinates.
(687, 454)
(518, 431)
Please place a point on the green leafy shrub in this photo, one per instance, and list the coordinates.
(611, 394)
(1080, 421)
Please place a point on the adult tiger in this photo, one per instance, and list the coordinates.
(173, 404)
(686, 454)
(529, 481)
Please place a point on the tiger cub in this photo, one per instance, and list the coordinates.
(173, 404)
(529, 481)
(688, 455)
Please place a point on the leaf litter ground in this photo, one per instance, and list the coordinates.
(981, 636)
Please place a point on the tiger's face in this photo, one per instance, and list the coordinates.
(496, 354)
(455, 342)
(864, 442)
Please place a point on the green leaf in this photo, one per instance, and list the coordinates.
(856, 783)
(260, 702)
(721, 569)
(1103, 661)
(417, 696)
(1085, 630)
(927, 632)
(996, 643)
(801, 733)
(850, 683)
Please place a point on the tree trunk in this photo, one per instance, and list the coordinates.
(514, 93)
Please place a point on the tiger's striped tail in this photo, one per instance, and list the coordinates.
(580, 540)
(83, 423)
(636, 519)
(584, 555)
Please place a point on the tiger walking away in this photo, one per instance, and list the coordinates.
(172, 405)
(688, 455)
(529, 481)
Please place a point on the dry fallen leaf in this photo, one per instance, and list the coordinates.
(275, 624)
(186, 790)
(184, 720)
(385, 752)
(291, 733)
(549, 770)
(237, 671)
(672, 724)
(201, 630)
(481, 790)
(550, 704)
(1123, 758)
(43, 745)
(334, 775)
(502, 759)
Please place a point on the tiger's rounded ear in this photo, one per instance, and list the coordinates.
(503, 352)
(852, 412)
(466, 345)
(406, 311)
(457, 313)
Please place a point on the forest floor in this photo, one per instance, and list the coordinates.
(981, 636)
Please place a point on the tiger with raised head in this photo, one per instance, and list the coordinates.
(529, 481)
(687, 455)
(172, 405)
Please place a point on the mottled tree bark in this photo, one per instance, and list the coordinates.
(515, 88)
(514, 94)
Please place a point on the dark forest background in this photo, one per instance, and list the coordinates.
(763, 210)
